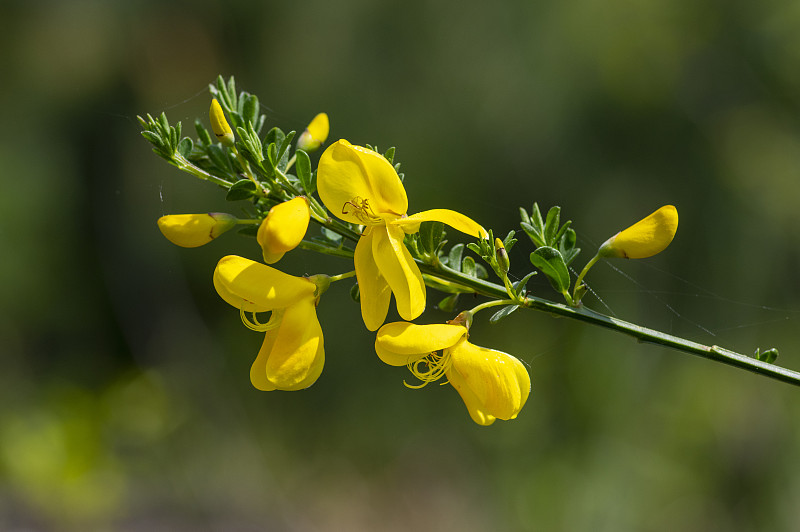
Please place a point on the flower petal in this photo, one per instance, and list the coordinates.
(490, 382)
(400, 271)
(283, 228)
(645, 238)
(193, 230)
(297, 355)
(474, 405)
(255, 287)
(400, 343)
(348, 172)
(454, 219)
(374, 292)
(258, 371)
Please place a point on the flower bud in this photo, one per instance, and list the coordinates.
(219, 125)
(193, 230)
(501, 255)
(283, 228)
(645, 238)
(315, 134)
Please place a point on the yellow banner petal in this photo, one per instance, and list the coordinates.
(454, 219)
(375, 292)
(256, 287)
(400, 271)
(348, 176)
(400, 343)
(297, 356)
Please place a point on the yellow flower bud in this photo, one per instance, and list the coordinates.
(645, 238)
(219, 125)
(501, 255)
(315, 134)
(283, 228)
(193, 230)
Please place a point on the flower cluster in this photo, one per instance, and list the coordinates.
(361, 198)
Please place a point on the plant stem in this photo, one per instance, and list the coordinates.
(643, 334)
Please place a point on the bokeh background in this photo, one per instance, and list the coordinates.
(125, 402)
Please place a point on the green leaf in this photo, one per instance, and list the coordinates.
(769, 356)
(220, 158)
(331, 235)
(552, 264)
(431, 235)
(355, 294)
(551, 225)
(185, 146)
(502, 313)
(567, 246)
(202, 133)
(519, 286)
(249, 109)
(468, 266)
(454, 257)
(303, 165)
(448, 304)
(536, 218)
(241, 190)
(389, 155)
(283, 155)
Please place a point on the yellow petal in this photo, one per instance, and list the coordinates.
(258, 371)
(454, 219)
(219, 125)
(255, 287)
(474, 406)
(375, 293)
(400, 271)
(315, 134)
(645, 238)
(491, 382)
(283, 228)
(400, 343)
(193, 230)
(297, 355)
(348, 175)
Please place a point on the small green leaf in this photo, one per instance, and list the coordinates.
(454, 257)
(448, 304)
(249, 109)
(303, 165)
(220, 158)
(241, 190)
(355, 294)
(283, 154)
(389, 155)
(202, 133)
(519, 286)
(502, 313)
(330, 235)
(536, 218)
(769, 356)
(431, 235)
(552, 264)
(468, 266)
(185, 146)
(552, 224)
(475, 248)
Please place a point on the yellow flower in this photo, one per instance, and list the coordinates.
(492, 384)
(193, 230)
(283, 228)
(292, 355)
(219, 125)
(645, 238)
(315, 134)
(360, 186)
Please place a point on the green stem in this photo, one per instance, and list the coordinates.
(581, 276)
(494, 303)
(643, 334)
(181, 162)
(346, 275)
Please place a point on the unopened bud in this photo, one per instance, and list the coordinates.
(284, 228)
(645, 238)
(219, 124)
(194, 230)
(315, 134)
(501, 255)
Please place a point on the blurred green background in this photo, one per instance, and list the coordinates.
(125, 402)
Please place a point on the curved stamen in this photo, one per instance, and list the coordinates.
(255, 325)
(436, 366)
(361, 210)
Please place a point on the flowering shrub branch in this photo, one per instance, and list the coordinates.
(356, 196)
